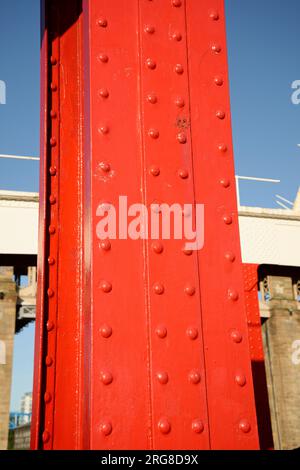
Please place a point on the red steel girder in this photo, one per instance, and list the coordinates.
(140, 343)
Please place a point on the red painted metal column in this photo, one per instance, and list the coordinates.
(140, 343)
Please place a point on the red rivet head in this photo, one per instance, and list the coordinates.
(48, 361)
(106, 331)
(236, 336)
(52, 170)
(187, 252)
(105, 245)
(151, 64)
(157, 247)
(183, 173)
(233, 295)
(162, 377)
(102, 22)
(105, 286)
(189, 290)
(177, 36)
(216, 48)
(161, 331)
(220, 114)
(229, 256)
(106, 428)
(225, 182)
(51, 260)
(154, 170)
(214, 15)
(240, 379)
(50, 292)
(46, 437)
(192, 333)
(222, 148)
(194, 377)
(106, 378)
(103, 58)
(53, 114)
(179, 102)
(197, 426)
(164, 426)
(152, 98)
(244, 426)
(103, 92)
(227, 219)
(50, 325)
(53, 142)
(176, 3)
(158, 288)
(149, 29)
(104, 129)
(153, 133)
(218, 81)
(181, 137)
(52, 199)
(52, 229)
(53, 86)
(178, 69)
(47, 397)
(53, 60)
(105, 167)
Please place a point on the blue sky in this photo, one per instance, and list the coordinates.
(263, 42)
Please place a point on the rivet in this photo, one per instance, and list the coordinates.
(187, 252)
(176, 3)
(153, 133)
(162, 377)
(194, 377)
(154, 170)
(103, 58)
(216, 48)
(230, 256)
(52, 199)
(102, 22)
(178, 69)
(46, 437)
(50, 292)
(179, 101)
(105, 286)
(225, 182)
(158, 288)
(106, 378)
(50, 325)
(227, 219)
(244, 426)
(53, 60)
(181, 137)
(220, 114)
(218, 81)
(157, 247)
(104, 129)
(189, 290)
(161, 331)
(197, 426)
(103, 92)
(47, 397)
(53, 142)
(105, 167)
(233, 295)
(236, 336)
(151, 64)
(214, 15)
(177, 36)
(192, 333)
(240, 380)
(164, 426)
(106, 428)
(106, 331)
(48, 361)
(52, 229)
(152, 98)
(149, 29)
(52, 170)
(51, 260)
(53, 86)
(183, 173)
(105, 245)
(222, 148)
(53, 114)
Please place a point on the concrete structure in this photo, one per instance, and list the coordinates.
(26, 406)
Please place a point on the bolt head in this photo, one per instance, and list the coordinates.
(236, 336)
(51, 260)
(179, 102)
(233, 295)
(50, 292)
(218, 81)
(47, 397)
(240, 379)
(162, 377)
(157, 247)
(53, 60)
(225, 182)
(176, 3)
(103, 92)
(102, 22)
(106, 331)
(48, 361)
(52, 170)
(227, 219)
(216, 48)
(190, 290)
(105, 167)
(105, 245)
(179, 69)
(161, 331)
(53, 86)
(151, 64)
(103, 58)
(229, 256)
(52, 199)
(158, 288)
(106, 428)
(153, 133)
(106, 377)
(152, 98)
(214, 15)
(192, 333)
(50, 325)
(220, 114)
(46, 437)
(181, 137)
(164, 426)
(194, 377)
(177, 36)
(187, 252)
(154, 170)
(53, 114)
(52, 229)
(149, 28)
(244, 426)
(104, 129)
(53, 142)
(197, 426)
(183, 173)
(105, 286)
(222, 148)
